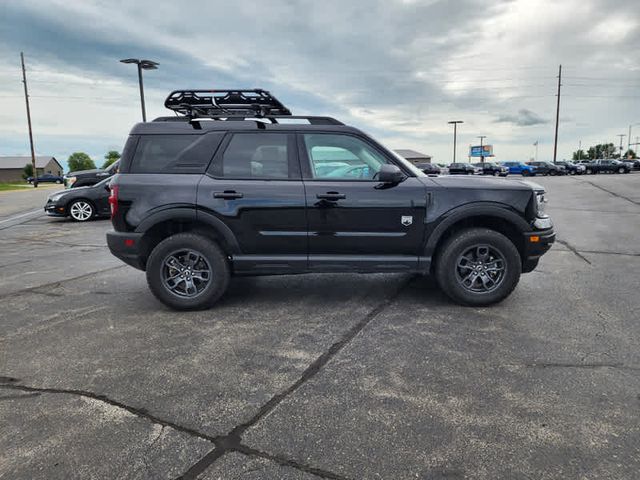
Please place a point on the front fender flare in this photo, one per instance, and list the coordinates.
(453, 216)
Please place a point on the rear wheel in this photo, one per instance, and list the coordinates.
(188, 272)
(81, 210)
(621, 170)
(589, 171)
(478, 267)
(525, 173)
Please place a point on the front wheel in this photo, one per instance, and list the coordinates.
(478, 267)
(621, 170)
(187, 271)
(81, 210)
(589, 171)
(525, 173)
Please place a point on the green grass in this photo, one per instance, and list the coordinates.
(13, 186)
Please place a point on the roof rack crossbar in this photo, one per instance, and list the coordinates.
(256, 103)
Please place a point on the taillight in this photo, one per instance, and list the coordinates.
(113, 200)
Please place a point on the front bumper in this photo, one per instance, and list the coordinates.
(54, 210)
(127, 247)
(536, 244)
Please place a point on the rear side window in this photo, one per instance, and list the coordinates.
(255, 156)
(174, 153)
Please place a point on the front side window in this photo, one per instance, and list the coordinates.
(259, 156)
(342, 157)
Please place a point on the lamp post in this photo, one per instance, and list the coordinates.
(629, 137)
(481, 137)
(455, 134)
(622, 135)
(142, 65)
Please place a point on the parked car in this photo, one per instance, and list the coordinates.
(463, 169)
(258, 207)
(85, 178)
(633, 163)
(444, 169)
(429, 168)
(80, 203)
(607, 166)
(572, 168)
(492, 168)
(548, 168)
(46, 178)
(519, 168)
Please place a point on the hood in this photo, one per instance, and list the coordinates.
(485, 183)
(68, 190)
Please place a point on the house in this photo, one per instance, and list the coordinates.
(413, 156)
(12, 168)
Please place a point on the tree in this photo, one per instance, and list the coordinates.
(110, 157)
(27, 171)
(80, 161)
(580, 155)
(602, 150)
(630, 154)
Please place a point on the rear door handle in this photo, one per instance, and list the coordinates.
(227, 194)
(331, 196)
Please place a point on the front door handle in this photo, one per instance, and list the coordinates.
(227, 194)
(331, 196)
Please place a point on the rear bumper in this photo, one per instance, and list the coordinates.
(126, 246)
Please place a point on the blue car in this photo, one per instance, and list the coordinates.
(519, 168)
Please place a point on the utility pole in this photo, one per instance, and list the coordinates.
(26, 99)
(622, 135)
(455, 134)
(579, 150)
(481, 137)
(555, 142)
(536, 145)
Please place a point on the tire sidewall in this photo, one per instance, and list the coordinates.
(220, 275)
(455, 246)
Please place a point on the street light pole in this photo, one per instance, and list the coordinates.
(455, 135)
(142, 65)
(481, 137)
(622, 135)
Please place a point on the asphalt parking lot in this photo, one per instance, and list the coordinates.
(323, 376)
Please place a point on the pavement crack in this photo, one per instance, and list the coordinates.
(573, 249)
(233, 440)
(615, 194)
(139, 412)
(592, 365)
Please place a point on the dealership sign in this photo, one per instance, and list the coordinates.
(481, 151)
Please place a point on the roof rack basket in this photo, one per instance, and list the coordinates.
(255, 103)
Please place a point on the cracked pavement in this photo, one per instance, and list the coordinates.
(323, 376)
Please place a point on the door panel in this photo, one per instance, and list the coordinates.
(368, 219)
(254, 186)
(348, 211)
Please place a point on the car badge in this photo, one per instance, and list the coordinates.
(406, 220)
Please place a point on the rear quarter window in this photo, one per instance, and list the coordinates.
(174, 153)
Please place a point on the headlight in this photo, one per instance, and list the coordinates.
(56, 197)
(540, 202)
(71, 181)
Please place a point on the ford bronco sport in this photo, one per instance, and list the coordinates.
(236, 185)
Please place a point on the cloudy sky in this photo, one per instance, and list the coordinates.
(396, 69)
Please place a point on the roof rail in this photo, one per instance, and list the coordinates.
(255, 103)
(313, 120)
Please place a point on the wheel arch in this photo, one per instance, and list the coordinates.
(163, 224)
(494, 217)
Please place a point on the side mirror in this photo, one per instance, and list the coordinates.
(390, 174)
(107, 187)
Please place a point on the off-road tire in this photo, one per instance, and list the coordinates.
(446, 266)
(209, 250)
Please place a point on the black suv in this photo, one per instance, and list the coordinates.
(492, 168)
(548, 168)
(236, 185)
(86, 178)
